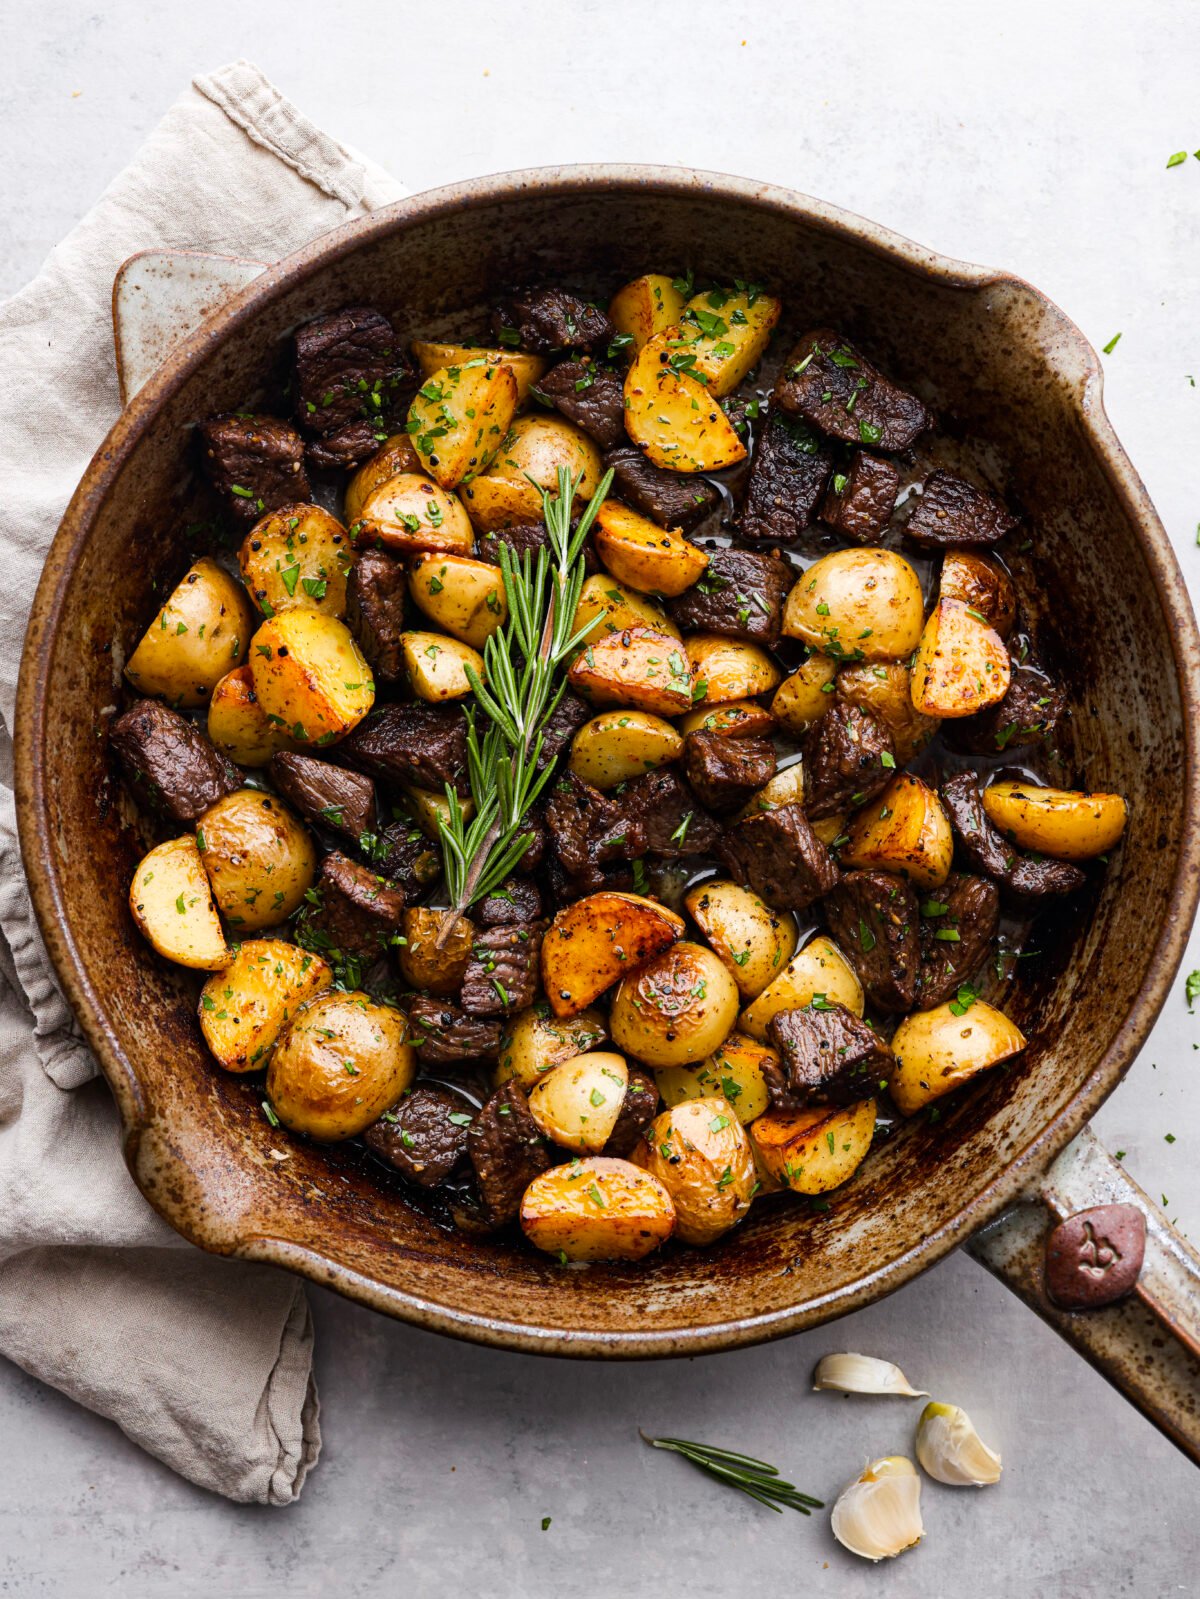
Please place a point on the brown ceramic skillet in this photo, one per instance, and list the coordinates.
(1018, 387)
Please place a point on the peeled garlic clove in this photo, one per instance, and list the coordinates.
(863, 1374)
(952, 1451)
(878, 1515)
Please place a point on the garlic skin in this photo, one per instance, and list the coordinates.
(878, 1515)
(863, 1374)
(951, 1451)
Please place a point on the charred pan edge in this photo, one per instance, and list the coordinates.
(1080, 373)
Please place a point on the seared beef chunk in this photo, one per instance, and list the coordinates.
(349, 366)
(533, 831)
(347, 448)
(359, 911)
(503, 974)
(860, 501)
(985, 848)
(425, 1136)
(564, 721)
(549, 320)
(789, 470)
(375, 596)
(636, 1114)
(522, 536)
(1027, 715)
(403, 854)
(829, 1056)
(667, 816)
(444, 1034)
(564, 887)
(425, 745)
(849, 757)
(875, 919)
(970, 907)
(740, 596)
(672, 499)
(779, 856)
(591, 396)
(588, 828)
(507, 1152)
(331, 795)
(516, 900)
(169, 763)
(256, 464)
(725, 771)
(829, 383)
(953, 512)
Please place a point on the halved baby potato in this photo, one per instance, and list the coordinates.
(906, 831)
(647, 306)
(535, 447)
(606, 606)
(812, 1151)
(982, 584)
(259, 858)
(463, 596)
(244, 1008)
(735, 1071)
(885, 689)
(857, 605)
(597, 1208)
(806, 695)
(699, 1151)
(172, 904)
(738, 719)
(238, 725)
(1063, 823)
(672, 416)
(534, 1041)
(297, 558)
(576, 1104)
(785, 788)
(961, 665)
(397, 455)
(940, 1049)
(646, 557)
(437, 666)
(430, 808)
(754, 942)
(592, 943)
(638, 667)
(677, 1007)
(202, 632)
(409, 514)
(340, 1063)
(310, 676)
(820, 969)
(725, 331)
(526, 369)
(727, 669)
(459, 418)
(422, 963)
(617, 746)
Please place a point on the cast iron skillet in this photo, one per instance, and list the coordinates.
(1019, 386)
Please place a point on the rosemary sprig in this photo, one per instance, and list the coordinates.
(743, 1472)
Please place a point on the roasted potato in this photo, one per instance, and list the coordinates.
(725, 331)
(297, 558)
(576, 1104)
(806, 695)
(672, 416)
(466, 598)
(982, 584)
(699, 1151)
(202, 632)
(857, 605)
(259, 858)
(597, 1208)
(617, 746)
(596, 940)
(785, 788)
(646, 557)
(526, 369)
(734, 1071)
(459, 418)
(677, 1007)
(819, 969)
(341, 1062)
(238, 725)
(905, 831)
(535, 447)
(811, 1151)
(535, 1040)
(398, 455)
(752, 941)
(738, 719)
(940, 1049)
(648, 306)
(430, 807)
(436, 666)
(726, 669)
(1062, 823)
(961, 665)
(410, 515)
(310, 676)
(244, 1008)
(422, 964)
(885, 689)
(606, 606)
(172, 904)
(639, 668)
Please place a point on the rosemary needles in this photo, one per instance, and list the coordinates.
(743, 1472)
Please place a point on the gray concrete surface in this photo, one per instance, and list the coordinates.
(1032, 136)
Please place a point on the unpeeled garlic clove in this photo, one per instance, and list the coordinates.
(878, 1515)
(951, 1451)
(863, 1374)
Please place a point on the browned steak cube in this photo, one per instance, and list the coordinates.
(725, 772)
(332, 796)
(443, 1034)
(668, 816)
(521, 536)
(403, 854)
(591, 396)
(740, 596)
(1028, 715)
(637, 1112)
(849, 757)
(357, 914)
(953, 512)
(564, 721)
(425, 745)
(376, 592)
(875, 919)
(507, 1152)
(788, 474)
(588, 828)
(169, 763)
(256, 464)
(425, 1136)
(834, 387)
(778, 855)
(860, 501)
(503, 973)
(958, 923)
(672, 499)
(517, 899)
(548, 320)
(347, 448)
(349, 367)
(983, 846)
(829, 1056)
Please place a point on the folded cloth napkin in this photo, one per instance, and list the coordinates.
(206, 1363)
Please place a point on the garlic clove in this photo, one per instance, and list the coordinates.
(878, 1515)
(864, 1374)
(951, 1451)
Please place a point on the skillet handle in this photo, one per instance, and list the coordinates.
(1147, 1344)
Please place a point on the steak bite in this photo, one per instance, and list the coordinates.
(966, 906)
(588, 828)
(668, 816)
(1028, 715)
(376, 591)
(357, 914)
(788, 473)
(503, 972)
(347, 448)
(349, 367)
(405, 856)
(425, 1136)
(874, 917)
(636, 1114)
(778, 855)
(740, 596)
(331, 796)
(672, 499)
(517, 899)
(507, 1152)
(849, 757)
(834, 387)
(548, 320)
(564, 721)
(985, 848)
(443, 1034)
(169, 763)
(953, 512)
(859, 502)
(590, 396)
(829, 1056)
(255, 463)
(725, 772)
(425, 745)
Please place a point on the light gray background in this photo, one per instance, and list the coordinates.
(1032, 136)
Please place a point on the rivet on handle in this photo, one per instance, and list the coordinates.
(1094, 1257)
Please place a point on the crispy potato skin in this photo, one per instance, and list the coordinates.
(647, 671)
(806, 695)
(463, 596)
(238, 725)
(819, 968)
(617, 746)
(597, 1208)
(752, 941)
(961, 664)
(982, 584)
(409, 514)
(905, 831)
(202, 632)
(676, 420)
(734, 1071)
(422, 964)
(812, 1151)
(342, 1061)
(644, 556)
(437, 666)
(310, 676)
(259, 858)
(459, 418)
(606, 606)
(937, 1051)
(535, 1041)
(297, 558)
(172, 904)
(1063, 823)
(595, 941)
(857, 600)
(738, 719)
(700, 1153)
(397, 455)
(535, 447)
(885, 689)
(244, 1008)
(729, 669)
(576, 1104)
(678, 1007)
(526, 369)
(647, 306)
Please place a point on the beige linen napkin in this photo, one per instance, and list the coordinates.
(206, 1363)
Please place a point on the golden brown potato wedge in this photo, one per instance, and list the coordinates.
(606, 606)
(961, 666)
(725, 331)
(526, 369)
(672, 416)
(297, 558)
(735, 1071)
(857, 605)
(238, 725)
(885, 689)
(819, 968)
(639, 668)
(202, 632)
(576, 1104)
(699, 1151)
(397, 455)
(982, 584)
(259, 858)
(464, 597)
(422, 963)
(644, 556)
(647, 306)
(727, 669)
(410, 515)
(617, 746)
(460, 416)
(244, 1008)
(1063, 823)
(812, 1151)
(591, 944)
(676, 1008)
(905, 831)
(534, 448)
(310, 676)
(938, 1050)
(738, 719)
(340, 1063)
(806, 695)
(753, 942)
(436, 666)
(172, 904)
(597, 1208)
(535, 1040)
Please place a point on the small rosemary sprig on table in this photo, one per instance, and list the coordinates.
(521, 665)
(743, 1472)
